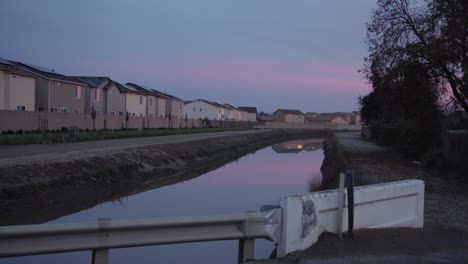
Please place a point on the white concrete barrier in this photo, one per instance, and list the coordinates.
(305, 217)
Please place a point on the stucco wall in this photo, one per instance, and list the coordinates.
(160, 107)
(251, 117)
(151, 106)
(62, 95)
(177, 110)
(16, 90)
(207, 110)
(15, 120)
(298, 119)
(99, 103)
(134, 107)
(115, 101)
(42, 94)
(3, 86)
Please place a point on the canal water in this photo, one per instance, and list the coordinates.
(254, 180)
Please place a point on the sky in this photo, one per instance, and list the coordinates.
(301, 54)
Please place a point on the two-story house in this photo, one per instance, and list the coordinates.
(251, 113)
(288, 116)
(56, 92)
(202, 109)
(17, 88)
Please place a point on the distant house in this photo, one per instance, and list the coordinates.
(17, 88)
(232, 112)
(203, 109)
(56, 92)
(94, 96)
(265, 118)
(251, 113)
(155, 102)
(238, 114)
(328, 118)
(288, 116)
(165, 105)
(135, 101)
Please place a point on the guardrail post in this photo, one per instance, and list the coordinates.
(100, 256)
(246, 250)
(350, 181)
(340, 206)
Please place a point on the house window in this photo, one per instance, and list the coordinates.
(141, 114)
(120, 113)
(40, 109)
(133, 114)
(96, 94)
(194, 109)
(53, 109)
(200, 109)
(77, 92)
(77, 110)
(20, 108)
(63, 110)
(141, 99)
(13, 76)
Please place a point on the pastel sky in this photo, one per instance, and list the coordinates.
(301, 54)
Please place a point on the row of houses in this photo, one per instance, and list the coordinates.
(26, 87)
(298, 117)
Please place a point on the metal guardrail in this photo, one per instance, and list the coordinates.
(105, 234)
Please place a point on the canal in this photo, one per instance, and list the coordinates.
(254, 180)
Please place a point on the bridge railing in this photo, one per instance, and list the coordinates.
(106, 234)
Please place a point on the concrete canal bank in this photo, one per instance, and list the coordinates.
(42, 187)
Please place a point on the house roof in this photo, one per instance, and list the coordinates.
(231, 107)
(249, 109)
(207, 102)
(119, 86)
(3, 61)
(92, 81)
(11, 68)
(289, 111)
(152, 91)
(265, 118)
(48, 74)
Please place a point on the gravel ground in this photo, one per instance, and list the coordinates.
(444, 238)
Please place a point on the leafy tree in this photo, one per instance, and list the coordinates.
(433, 32)
(402, 109)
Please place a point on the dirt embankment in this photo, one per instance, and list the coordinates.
(42, 191)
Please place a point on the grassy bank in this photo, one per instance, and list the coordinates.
(41, 191)
(69, 137)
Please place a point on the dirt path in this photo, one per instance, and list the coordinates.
(23, 154)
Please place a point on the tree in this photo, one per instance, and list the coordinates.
(93, 116)
(434, 32)
(403, 109)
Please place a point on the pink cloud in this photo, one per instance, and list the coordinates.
(249, 73)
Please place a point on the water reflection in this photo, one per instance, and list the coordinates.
(245, 185)
(296, 146)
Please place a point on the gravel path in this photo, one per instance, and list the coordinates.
(20, 154)
(352, 142)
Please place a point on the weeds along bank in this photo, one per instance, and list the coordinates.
(45, 190)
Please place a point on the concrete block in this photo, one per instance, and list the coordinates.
(305, 217)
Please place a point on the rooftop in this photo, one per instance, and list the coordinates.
(289, 111)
